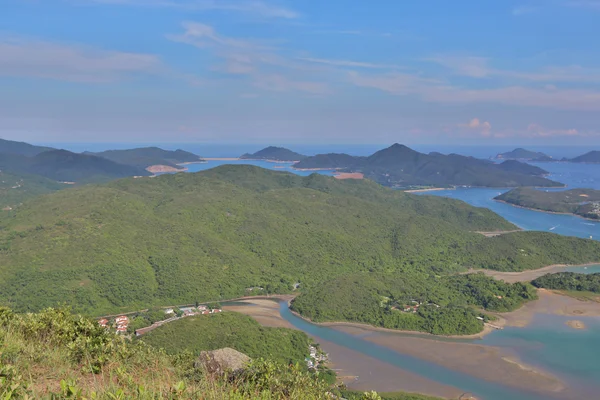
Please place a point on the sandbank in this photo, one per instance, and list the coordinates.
(497, 233)
(164, 168)
(575, 324)
(426, 190)
(529, 275)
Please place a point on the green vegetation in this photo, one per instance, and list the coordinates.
(229, 329)
(400, 166)
(15, 188)
(65, 166)
(176, 239)
(57, 355)
(446, 305)
(582, 202)
(356, 395)
(524, 154)
(569, 281)
(147, 318)
(275, 154)
(148, 156)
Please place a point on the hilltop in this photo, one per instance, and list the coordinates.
(524, 154)
(590, 157)
(175, 239)
(582, 202)
(522, 168)
(148, 157)
(21, 148)
(63, 165)
(401, 166)
(274, 154)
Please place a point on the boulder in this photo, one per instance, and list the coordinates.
(222, 360)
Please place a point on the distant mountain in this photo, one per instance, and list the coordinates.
(522, 168)
(275, 154)
(591, 157)
(21, 148)
(149, 156)
(401, 166)
(524, 154)
(63, 165)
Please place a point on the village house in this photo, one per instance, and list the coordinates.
(169, 311)
(122, 319)
(202, 307)
(103, 322)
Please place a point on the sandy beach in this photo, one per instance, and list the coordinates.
(349, 175)
(426, 190)
(497, 233)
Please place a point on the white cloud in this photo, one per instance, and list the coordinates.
(347, 63)
(264, 67)
(258, 8)
(42, 59)
(478, 125)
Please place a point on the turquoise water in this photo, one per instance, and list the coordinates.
(483, 389)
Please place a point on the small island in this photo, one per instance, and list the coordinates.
(592, 157)
(276, 154)
(524, 155)
(582, 202)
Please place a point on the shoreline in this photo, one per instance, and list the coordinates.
(547, 212)
(426, 190)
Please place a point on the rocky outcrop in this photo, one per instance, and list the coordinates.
(222, 360)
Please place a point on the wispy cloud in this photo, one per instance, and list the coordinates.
(43, 59)
(479, 67)
(261, 63)
(258, 8)
(435, 91)
(347, 63)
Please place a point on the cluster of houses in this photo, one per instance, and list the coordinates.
(121, 323)
(191, 311)
(316, 357)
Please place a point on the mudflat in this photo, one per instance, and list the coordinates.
(485, 362)
(265, 312)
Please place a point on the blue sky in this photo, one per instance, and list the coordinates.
(285, 72)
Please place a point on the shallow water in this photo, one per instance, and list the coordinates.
(287, 166)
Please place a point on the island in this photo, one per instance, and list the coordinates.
(582, 202)
(592, 157)
(524, 154)
(273, 153)
(399, 166)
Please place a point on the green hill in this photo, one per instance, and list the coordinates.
(15, 188)
(57, 355)
(522, 168)
(176, 239)
(63, 165)
(401, 166)
(21, 148)
(148, 156)
(229, 329)
(275, 154)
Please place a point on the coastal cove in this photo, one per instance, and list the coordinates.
(368, 358)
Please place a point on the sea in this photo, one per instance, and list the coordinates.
(547, 343)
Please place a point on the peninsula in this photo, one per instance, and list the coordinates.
(582, 202)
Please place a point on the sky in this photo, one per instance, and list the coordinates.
(303, 71)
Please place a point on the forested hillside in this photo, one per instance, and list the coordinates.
(229, 329)
(148, 156)
(176, 239)
(15, 188)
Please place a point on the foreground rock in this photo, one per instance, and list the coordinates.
(222, 360)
